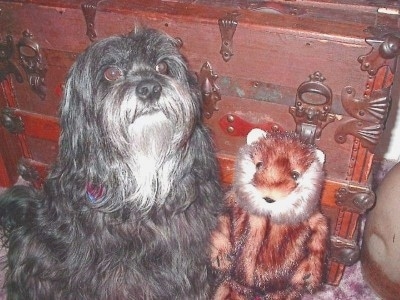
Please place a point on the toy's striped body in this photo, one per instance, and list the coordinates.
(271, 241)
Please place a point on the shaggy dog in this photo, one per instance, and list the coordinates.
(127, 210)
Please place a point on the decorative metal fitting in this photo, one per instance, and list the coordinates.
(373, 108)
(355, 199)
(390, 47)
(234, 125)
(7, 66)
(209, 90)
(312, 108)
(369, 115)
(33, 63)
(11, 122)
(384, 50)
(344, 251)
(89, 9)
(367, 132)
(227, 27)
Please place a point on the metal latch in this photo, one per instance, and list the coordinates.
(311, 111)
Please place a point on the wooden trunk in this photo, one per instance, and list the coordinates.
(326, 69)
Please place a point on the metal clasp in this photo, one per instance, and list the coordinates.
(312, 108)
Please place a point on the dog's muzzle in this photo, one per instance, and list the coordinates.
(149, 90)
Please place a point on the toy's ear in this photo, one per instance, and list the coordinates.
(320, 155)
(254, 135)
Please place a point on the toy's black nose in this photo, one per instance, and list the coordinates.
(148, 89)
(269, 200)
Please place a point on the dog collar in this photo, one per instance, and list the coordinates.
(94, 193)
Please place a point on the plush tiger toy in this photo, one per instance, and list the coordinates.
(271, 242)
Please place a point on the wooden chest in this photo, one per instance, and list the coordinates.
(326, 69)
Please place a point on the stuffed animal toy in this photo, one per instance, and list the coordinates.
(271, 241)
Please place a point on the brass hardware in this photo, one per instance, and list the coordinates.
(227, 27)
(11, 122)
(7, 66)
(371, 112)
(367, 132)
(89, 9)
(234, 125)
(390, 47)
(355, 199)
(384, 51)
(344, 251)
(33, 63)
(209, 90)
(312, 108)
(373, 108)
(370, 115)
(230, 124)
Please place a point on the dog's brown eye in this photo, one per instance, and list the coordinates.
(112, 73)
(295, 175)
(162, 68)
(259, 165)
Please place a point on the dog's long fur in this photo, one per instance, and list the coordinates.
(128, 207)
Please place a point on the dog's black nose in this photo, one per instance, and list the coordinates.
(148, 90)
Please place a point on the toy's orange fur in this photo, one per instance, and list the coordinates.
(271, 242)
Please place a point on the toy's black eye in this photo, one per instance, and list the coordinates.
(259, 165)
(112, 73)
(295, 175)
(162, 68)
